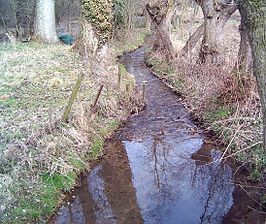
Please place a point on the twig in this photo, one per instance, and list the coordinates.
(229, 144)
(98, 96)
(251, 197)
(256, 210)
(236, 118)
(144, 84)
(249, 147)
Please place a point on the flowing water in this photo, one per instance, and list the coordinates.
(157, 168)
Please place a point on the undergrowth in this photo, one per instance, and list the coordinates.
(226, 103)
(40, 157)
(125, 41)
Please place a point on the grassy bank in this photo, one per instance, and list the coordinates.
(40, 157)
(224, 102)
(128, 41)
(223, 99)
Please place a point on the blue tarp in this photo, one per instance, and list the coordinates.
(66, 39)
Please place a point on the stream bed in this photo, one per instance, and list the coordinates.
(157, 168)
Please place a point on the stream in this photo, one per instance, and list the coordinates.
(157, 168)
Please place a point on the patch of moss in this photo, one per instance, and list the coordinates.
(217, 114)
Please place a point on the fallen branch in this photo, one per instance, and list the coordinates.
(242, 150)
(229, 144)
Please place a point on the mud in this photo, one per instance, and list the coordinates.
(158, 168)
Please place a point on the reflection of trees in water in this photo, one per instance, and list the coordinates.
(119, 188)
(107, 194)
(160, 149)
(212, 183)
(159, 143)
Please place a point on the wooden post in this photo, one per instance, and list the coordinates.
(72, 98)
(144, 84)
(98, 96)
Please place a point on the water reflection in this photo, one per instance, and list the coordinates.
(155, 170)
(179, 191)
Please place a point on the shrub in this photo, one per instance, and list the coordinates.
(99, 14)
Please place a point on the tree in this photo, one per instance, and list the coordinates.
(161, 13)
(130, 15)
(244, 60)
(253, 13)
(216, 13)
(119, 13)
(45, 21)
(100, 14)
(224, 15)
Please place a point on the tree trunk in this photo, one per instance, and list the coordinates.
(192, 41)
(253, 13)
(224, 15)
(161, 19)
(45, 21)
(209, 48)
(215, 17)
(130, 14)
(244, 61)
(147, 20)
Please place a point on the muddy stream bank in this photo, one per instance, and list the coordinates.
(158, 168)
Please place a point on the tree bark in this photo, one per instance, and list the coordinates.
(215, 17)
(130, 15)
(161, 19)
(147, 20)
(244, 61)
(253, 13)
(45, 21)
(224, 15)
(192, 41)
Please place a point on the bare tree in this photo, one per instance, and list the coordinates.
(45, 21)
(224, 14)
(130, 15)
(253, 13)
(161, 13)
(216, 13)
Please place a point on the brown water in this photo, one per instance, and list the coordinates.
(156, 169)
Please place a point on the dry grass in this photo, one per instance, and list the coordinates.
(40, 156)
(228, 103)
(127, 41)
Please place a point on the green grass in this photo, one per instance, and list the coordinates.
(40, 157)
(97, 147)
(130, 41)
(47, 200)
(211, 116)
(32, 80)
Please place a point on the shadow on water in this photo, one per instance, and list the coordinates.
(155, 169)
